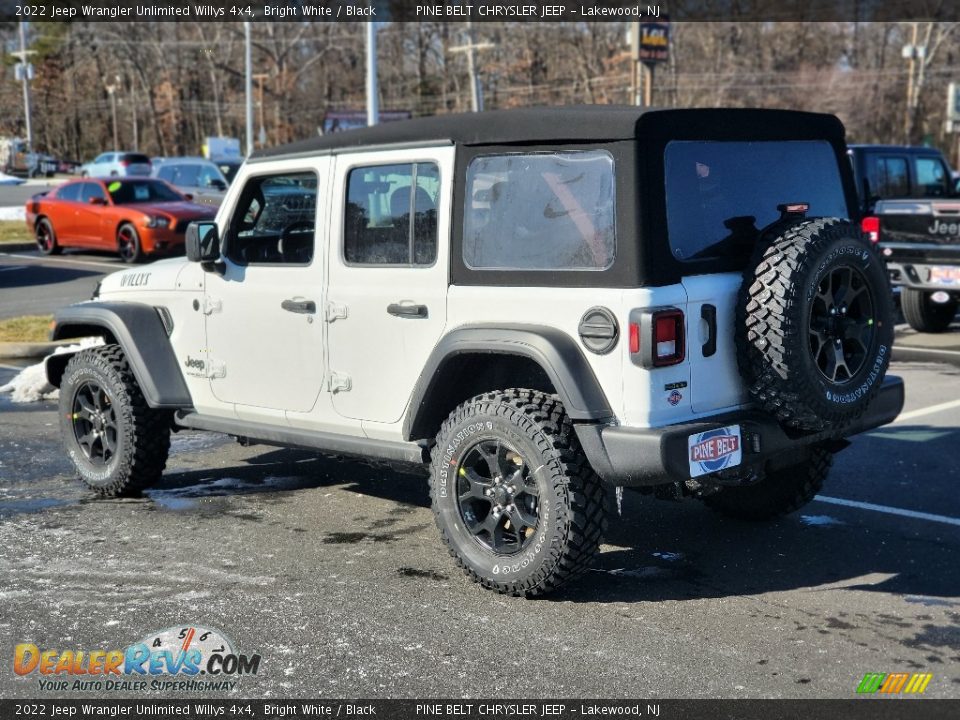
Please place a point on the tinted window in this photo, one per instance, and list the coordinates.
(275, 220)
(391, 215)
(136, 159)
(167, 172)
(544, 211)
(105, 157)
(70, 192)
(209, 176)
(91, 190)
(931, 177)
(719, 194)
(126, 192)
(888, 176)
(187, 175)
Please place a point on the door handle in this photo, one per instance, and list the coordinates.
(709, 313)
(305, 307)
(407, 311)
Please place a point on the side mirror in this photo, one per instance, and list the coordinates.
(188, 196)
(97, 201)
(202, 242)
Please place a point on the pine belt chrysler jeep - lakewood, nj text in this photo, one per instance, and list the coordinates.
(539, 305)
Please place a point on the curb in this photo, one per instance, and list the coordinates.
(17, 247)
(32, 350)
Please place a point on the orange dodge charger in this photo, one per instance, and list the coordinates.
(134, 217)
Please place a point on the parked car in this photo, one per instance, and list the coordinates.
(911, 212)
(117, 164)
(538, 305)
(229, 167)
(196, 177)
(135, 217)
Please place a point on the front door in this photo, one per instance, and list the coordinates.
(387, 293)
(264, 308)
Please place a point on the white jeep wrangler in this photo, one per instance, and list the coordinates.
(539, 304)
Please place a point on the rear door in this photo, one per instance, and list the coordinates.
(387, 295)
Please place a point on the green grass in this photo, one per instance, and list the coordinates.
(26, 328)
(14, 231)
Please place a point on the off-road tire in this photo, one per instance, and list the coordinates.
(46, 238)
(129, 245)
(142, 433)
(780, 491)
(571, 502)
(774, 311)
(923, 314)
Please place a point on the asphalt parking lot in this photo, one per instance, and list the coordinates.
(332, 570)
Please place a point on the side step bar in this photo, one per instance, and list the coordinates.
(393, 451)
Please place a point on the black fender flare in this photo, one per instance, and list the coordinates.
(556, 352)
(138, 329)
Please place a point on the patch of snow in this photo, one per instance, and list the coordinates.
(31, 385)
(820, 520)
(13, 212)
(10, 179)
(669, 556)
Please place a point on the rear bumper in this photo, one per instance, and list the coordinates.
(654, 456)
(916, 274)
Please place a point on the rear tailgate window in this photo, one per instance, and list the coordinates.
(720, 194)
(135, 159)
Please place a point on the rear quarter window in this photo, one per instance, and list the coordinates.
(719, 195)
(540, 211)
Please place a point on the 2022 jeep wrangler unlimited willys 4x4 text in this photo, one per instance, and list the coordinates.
(539, 304)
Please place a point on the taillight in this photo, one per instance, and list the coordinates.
(657, 337)
(668, 345)
(124, 163)
(871, 228)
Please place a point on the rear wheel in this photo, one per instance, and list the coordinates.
(117, 443)
(514, 498)
(46, 238)
(780, 491)
(128, 244)
(925, 315)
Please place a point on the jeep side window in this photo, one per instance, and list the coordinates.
(391, 215)
(540, 211)
(931, 178)
(889, 177)
(275, 220)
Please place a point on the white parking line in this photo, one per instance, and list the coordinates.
(927, 410)
(907, 348)
(889, 510)
(59, 260)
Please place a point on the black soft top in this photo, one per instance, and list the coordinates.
(571, 124)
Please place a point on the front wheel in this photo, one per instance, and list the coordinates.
(779, 492)
(128, 244)
(117, 443)
(923, 314)
(514, 497)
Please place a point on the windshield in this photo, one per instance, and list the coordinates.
(128, 192)
(721, 194)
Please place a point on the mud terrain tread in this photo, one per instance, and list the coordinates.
(148, 430)
(544, 420)
(779, 493)
(768, 345)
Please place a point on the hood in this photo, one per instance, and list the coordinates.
(182, 210)
(159, 275)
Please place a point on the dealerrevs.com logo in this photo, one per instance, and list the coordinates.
(182, 658)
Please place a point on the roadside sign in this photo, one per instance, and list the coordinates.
(654, 42)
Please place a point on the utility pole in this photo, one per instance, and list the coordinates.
(26, 72)
(910, 53)
(476, 89)
(260, 77)
(248, 85)
(112, 92)
(636, 68)
(373, 91)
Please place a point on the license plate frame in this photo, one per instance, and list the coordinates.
(714, 450)
(947, 275)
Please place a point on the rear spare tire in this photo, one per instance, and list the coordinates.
(923, 314)
(815, 325)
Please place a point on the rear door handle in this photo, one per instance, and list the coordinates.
(304, 307)
(709, 313)
(407, 311)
